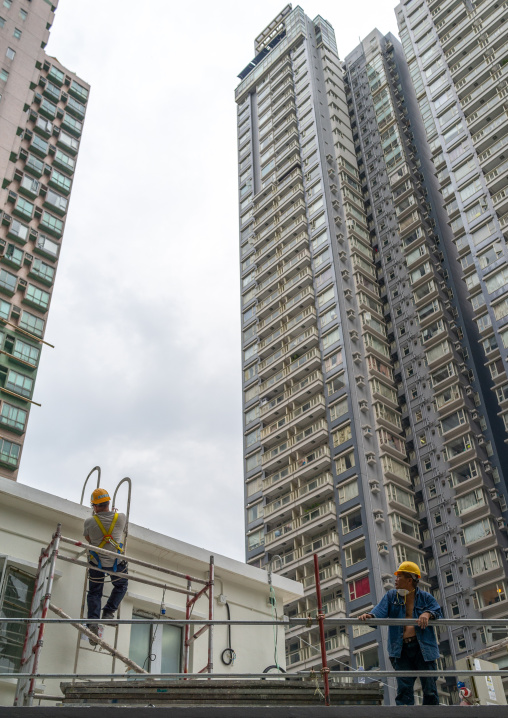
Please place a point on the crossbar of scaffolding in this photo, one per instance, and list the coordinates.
(131, 559)
(445, 673)
(454, 622)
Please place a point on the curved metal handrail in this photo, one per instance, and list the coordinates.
(127, 480)
(95, 468)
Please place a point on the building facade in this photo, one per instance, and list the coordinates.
(28, 519)
(372, 433)
(322, 420)
(42, 109)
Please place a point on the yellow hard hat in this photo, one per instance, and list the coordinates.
(408, 567)
(100, 496)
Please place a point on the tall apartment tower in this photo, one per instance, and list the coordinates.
(455, 449)
(372, 427)
(457, 55)
(42, 108)
(326, 469)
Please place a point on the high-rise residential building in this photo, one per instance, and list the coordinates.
(457, 55)
(372, 427)
(42, 108)
(322, 420)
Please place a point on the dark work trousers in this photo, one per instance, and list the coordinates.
(411, 659)
(96, 586)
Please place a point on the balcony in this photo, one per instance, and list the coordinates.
(322, 484)
(301, 342)
(297, 417)
(302, 441)
(303, 320)
(335, 644)
(327, 575)
(276, 407)
(282, 533)
(315, 461)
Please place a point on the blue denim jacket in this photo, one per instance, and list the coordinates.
(393, 606)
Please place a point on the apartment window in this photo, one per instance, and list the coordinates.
(7, 3)
(355, 552)
(335, 384)
(252, 437)
(17, 33)
(16, 591)
(495, 593)
(448, 576)
(26, 352)
(351, 521)
(345, 462)
(13, 417)
(438, 520)
(2, 21)
(256, 539)
(4, 75)
(358, 587)
(255, 485)
(333, 361)
(443, 547)
(9, 452)
(32, 324)
(10, 53)
(24, 208)
(347, 490)
(23, 14)
(255, 512)
(157, 648)
(47, 246)
(8, 281)
(338, 409)
(19, 383)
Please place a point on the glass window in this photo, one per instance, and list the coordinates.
(255, 539)
(13, 417)
(348, 490)
(8, 281)
(10, 53)
(26, 352)
(17, 33)
(32, 324)
(358, 588)
(19, 383)
(9, 454)
(4, 75)
(158, 651)
(16, 591)
(47, 245)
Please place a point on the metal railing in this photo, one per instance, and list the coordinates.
(36, 623)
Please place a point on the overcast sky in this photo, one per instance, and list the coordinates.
(145, 379)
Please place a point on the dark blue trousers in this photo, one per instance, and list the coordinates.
(96, 586)
(411, 659)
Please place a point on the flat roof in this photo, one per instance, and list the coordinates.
(50, 506)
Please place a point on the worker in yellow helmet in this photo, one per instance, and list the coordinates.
(104, 530)
(411, 648)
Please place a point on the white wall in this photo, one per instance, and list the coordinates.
(28, 518)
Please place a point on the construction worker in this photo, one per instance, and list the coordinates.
(104, 529)
(410, 648)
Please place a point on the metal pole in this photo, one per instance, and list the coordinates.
(210, 615)
(187, 631)
(320, 616)
(44, 612)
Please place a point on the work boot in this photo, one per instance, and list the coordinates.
(94, 628)
(108, 614)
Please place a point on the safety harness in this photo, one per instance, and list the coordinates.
(107, 538)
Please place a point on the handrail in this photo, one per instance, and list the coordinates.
(95, 468)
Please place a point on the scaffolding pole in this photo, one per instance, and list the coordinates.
(113, 651)
(35, 629)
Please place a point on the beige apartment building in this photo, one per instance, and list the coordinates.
(42, 109)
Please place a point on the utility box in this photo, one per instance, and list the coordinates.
(488, 690)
